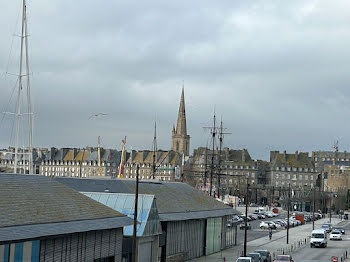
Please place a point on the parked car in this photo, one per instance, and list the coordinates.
(255, 256)
(267, 225)
(244, 259)
(335, 235)
(279, 223)
(242, 226)
(280, 258)
(341, 229)
(265, 255)
(269, 214)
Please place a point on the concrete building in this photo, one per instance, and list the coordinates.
(180, 138)
(193, 224)
(43, 220)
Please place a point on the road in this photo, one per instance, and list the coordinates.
(334, 248)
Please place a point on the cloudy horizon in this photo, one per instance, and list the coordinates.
(276, 72)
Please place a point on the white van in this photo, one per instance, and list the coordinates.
(318, 238)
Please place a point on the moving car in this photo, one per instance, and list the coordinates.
(318, 238)
(327, 227)
(341, 229)
(255, 256)
(280, 258)
(335, 235)
(265, 255)
(244, 259)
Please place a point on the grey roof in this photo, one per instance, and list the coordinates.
(41, 230)
(179, 201)
(36, 201)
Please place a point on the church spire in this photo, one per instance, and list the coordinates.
(181, 128)
(180, 139)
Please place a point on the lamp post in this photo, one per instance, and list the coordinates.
(288, 205)
(313, 209)
(246, 220)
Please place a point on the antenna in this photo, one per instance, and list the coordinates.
(336, 148)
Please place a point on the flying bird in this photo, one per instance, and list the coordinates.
(97, 115)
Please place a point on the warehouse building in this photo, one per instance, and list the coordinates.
(43, 220)
(193, 224)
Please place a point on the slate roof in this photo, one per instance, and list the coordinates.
(299, 159)
(32, 202)
(175, 201)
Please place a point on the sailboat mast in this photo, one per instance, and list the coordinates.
(154, 151)
(29, 102)
(18, 106)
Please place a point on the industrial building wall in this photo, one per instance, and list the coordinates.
(228, 232)
(85, 246)
(213, 238)
(185, 237)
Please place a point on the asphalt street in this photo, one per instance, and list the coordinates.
(334, 248)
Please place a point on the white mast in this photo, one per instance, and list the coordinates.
(19, 114)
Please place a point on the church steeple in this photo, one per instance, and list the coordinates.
(181, 128)
(180, 139)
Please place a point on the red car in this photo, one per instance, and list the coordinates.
(283, 258)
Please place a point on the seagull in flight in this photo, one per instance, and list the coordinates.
(97, 115)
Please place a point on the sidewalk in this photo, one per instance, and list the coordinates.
(298, 236)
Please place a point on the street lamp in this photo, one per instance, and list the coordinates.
(246, 219)
(288, 206)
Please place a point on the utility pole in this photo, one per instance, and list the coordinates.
(313, 208)
(246, 220)
(134, 240)
(154, 151)
(288, 203)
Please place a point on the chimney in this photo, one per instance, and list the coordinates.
(243, 154)
(296, 155)
(285, 155)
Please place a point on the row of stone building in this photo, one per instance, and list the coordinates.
(229, 171)
(233, 166)
(76, 162)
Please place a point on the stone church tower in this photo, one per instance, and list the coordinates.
(180, 139)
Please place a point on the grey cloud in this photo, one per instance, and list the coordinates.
(276, 71)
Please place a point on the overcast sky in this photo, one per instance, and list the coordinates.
(277, 72)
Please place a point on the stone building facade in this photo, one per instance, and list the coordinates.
(167, 165)
(338, 178)
(295, 169)
(180, 138)
(322, 158)
(236, 166)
